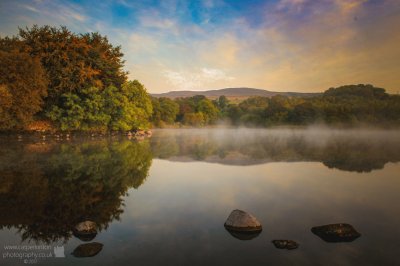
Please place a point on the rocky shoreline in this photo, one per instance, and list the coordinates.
(43, 135)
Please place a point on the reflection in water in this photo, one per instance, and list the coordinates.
(87, 250)
(359, 151)
(244, 235)
(47, 189)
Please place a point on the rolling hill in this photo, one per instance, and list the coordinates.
(232, 93)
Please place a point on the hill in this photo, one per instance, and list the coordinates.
(232, 93)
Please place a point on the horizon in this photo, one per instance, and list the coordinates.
(208, 90)
(275, 45)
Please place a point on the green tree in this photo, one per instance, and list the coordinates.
(208, 109)
(81, 112)
(129, 108)
(194, 119)
(165, 110)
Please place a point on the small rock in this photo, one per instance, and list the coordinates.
(140, 133)
(336, 232)
(285, 244)
(242, 221)
(87, 250)
(85, 231)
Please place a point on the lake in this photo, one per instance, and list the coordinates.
(164, 200)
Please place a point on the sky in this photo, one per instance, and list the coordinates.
(278, 45)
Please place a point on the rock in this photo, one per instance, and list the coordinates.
(148, 133)
(140, 133)
(336, 232)
(87, 250)
(242, 221)
(285, 244)
(85, 231)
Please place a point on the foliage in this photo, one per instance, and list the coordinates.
(81, 112)
(164, 110)
(197, 111)
(194, 119)
(129, 108)
(346, 105)
(76, 80)
(23, 85)
(111, 109)
(73, 62)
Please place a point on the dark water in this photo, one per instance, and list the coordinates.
(164, 201)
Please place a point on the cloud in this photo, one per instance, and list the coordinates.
(31, 8)
(291, 5)
(301, 45)
(139, 43)
(199, 80)
(154, 21)
(213, 74)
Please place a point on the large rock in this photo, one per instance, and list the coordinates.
(85, 231)
(336, 232)
(242, 221)
(87, 250)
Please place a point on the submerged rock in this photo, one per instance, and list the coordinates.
(336, 232)
(285, 244)
(87, 250)
(241, 221)
(85, 231)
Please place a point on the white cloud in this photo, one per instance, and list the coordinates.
(202, 79)
(156, 22)
(31, 8)
(214, 74)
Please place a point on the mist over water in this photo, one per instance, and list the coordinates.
(353, 150)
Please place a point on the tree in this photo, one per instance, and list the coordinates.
(23, 85)
(129, 108)
(164, 110)
(360, 90)
(73, 62)
(121, 109)
(208, 109)
(194, 119)
(81, 112)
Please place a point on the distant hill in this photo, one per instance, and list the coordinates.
(232, 93)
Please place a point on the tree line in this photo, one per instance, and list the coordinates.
(346, 105)
(76, 82)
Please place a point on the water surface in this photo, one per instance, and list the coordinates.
(164, 200)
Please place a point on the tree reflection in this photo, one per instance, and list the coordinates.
(44, 192)
(344, 151)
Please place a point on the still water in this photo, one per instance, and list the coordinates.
(164, 200)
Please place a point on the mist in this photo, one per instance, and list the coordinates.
(361, 150)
